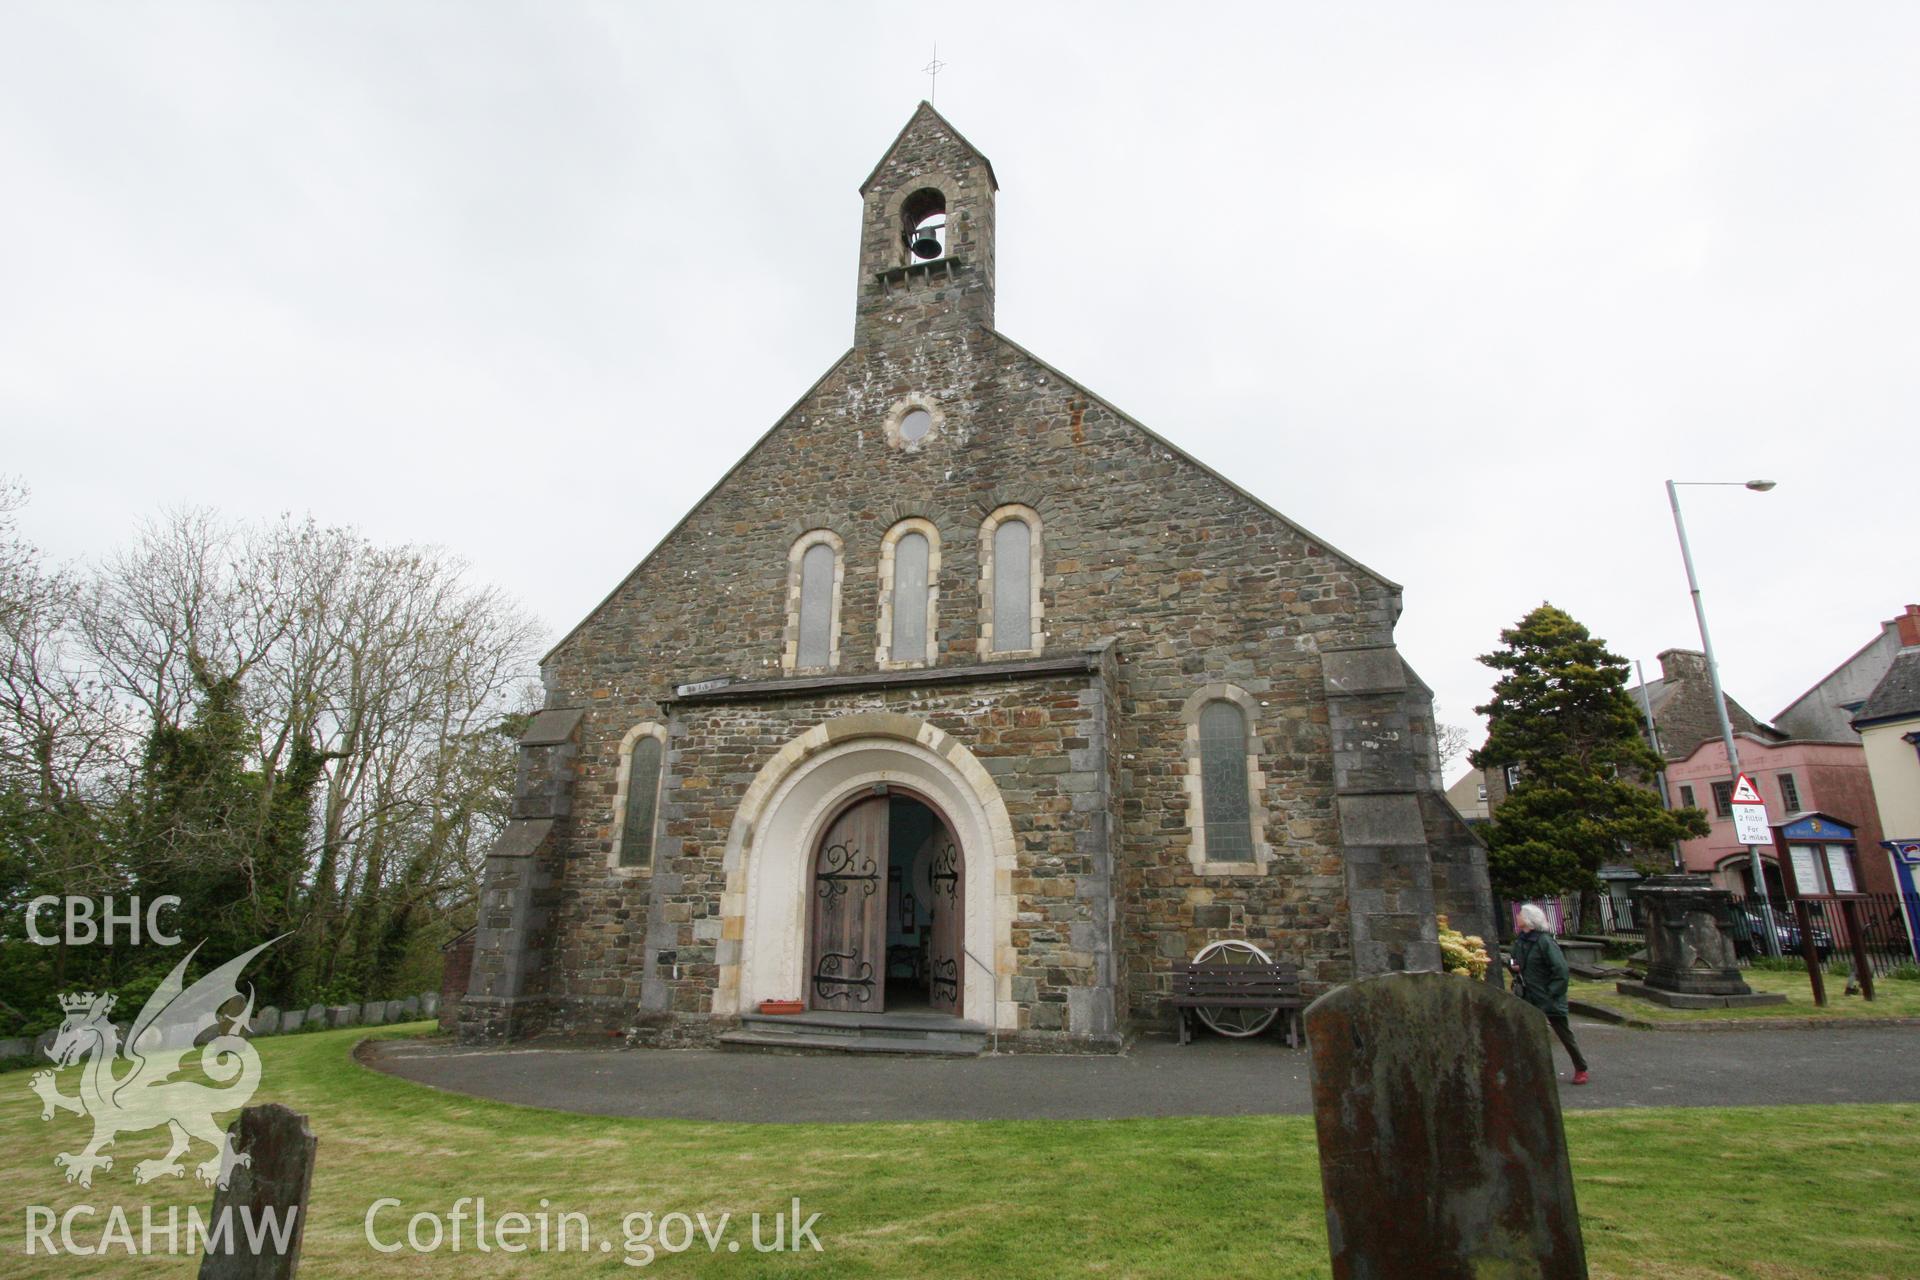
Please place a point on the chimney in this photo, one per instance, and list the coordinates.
(1686, 664)
(1909, 624)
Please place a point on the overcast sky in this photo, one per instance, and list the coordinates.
(1455, 286)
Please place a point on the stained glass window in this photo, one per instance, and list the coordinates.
(1223, 782)
(816, 606)
(910, 598)
(643, 798)
(1012, 586)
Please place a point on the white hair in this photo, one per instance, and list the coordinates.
(1533, 917)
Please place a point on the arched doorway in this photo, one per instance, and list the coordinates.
(766, 911)
(887, 908)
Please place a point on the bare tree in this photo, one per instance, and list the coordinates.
(63, 738)
(373, 685)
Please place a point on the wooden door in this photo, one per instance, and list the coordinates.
(946, 947)
(847, 945)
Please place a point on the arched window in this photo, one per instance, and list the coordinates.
(637, 799)
(1010, 583)
(813, 603)
(909, 595)
(1225, 782)
(923, 225)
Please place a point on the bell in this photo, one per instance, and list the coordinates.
(924, 244)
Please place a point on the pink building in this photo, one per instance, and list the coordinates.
(1795, 776)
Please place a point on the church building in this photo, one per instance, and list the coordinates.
(963, 700)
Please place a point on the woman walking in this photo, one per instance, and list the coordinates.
(1541, 974)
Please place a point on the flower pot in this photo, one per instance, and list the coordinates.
(782, 1006)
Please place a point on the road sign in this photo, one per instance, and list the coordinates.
(1749, 813)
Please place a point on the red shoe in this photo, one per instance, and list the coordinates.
(1579, 1077)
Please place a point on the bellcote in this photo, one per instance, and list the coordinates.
(926, 235)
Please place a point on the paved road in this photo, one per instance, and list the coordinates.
(1210, 1077)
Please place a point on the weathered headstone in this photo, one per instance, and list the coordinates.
(342, 1015)
(373, 1013)
(395, 1011)
(43, 1042)
(410, 1008)
(292, 1020)
(316, 1015)
(20, 1047)
(276, 1181)
(266, 1022)
(1441, 1149)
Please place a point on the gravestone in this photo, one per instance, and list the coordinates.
(292, 1020)
(342, 1015)
(280, 1148)
(266, 1022)
(373, 1013)
(1441, 1149)
(1690, 958)
(394, 1012)
(16, 1048)
(410, 1008)
(317, 1015)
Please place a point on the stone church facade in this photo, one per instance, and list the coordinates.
(963, 692)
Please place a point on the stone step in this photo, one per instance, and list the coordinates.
(799, 1042)
(863, 1032)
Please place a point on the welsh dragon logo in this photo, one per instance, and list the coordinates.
(147, 1094)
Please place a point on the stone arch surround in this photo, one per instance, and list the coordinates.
(781, 817)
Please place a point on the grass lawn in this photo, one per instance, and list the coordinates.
(1781, 1193)
(1893, 998)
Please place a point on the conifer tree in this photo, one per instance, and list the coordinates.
(1561, 712)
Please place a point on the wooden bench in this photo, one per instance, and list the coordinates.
(1237, 986)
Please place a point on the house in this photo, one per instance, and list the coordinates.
(1794, 776)
(963, 695)
(1810, 761)
(1682, 706)
(1888, 722)
(1825, 712)
(1468, 797)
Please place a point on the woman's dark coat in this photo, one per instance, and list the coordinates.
(1543, 972)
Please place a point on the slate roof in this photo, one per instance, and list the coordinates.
(1897, 696)
(1683, 713)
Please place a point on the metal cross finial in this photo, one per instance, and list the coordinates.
(933, 70)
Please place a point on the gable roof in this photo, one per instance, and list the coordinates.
(1897, 696)
(694, 510)
(926, 111)
(1854, 657)
(1158, 439)
(1684, 718)
(1194, 462)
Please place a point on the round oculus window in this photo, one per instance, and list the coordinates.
(916, 425)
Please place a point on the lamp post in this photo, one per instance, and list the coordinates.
(1713, 678)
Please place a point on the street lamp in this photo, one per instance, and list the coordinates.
(1713, 677)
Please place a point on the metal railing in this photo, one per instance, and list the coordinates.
(993, 985)
(1881, 919)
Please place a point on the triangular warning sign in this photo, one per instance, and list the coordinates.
(1744, 792)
